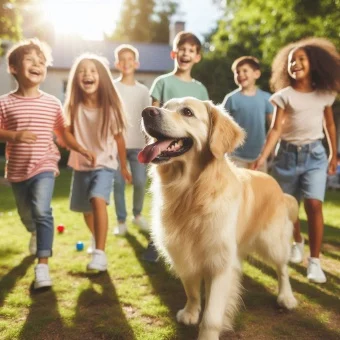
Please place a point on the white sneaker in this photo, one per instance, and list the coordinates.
(314, 271)
(296, 253)
(98, 262)
(42, 276)
(92, 246)
(32, 245)
(141, 222)
(120, 230)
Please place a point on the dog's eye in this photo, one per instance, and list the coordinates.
(187, 112)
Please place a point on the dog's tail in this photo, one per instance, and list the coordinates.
(292, 207)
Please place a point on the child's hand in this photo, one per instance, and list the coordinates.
(256, 164)
(25, 137)
(126, 175)
(90, 156)
(332, 166)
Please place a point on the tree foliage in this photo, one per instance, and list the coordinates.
(260, 28)
(144, 21)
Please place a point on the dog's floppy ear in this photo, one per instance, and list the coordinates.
(225, 134)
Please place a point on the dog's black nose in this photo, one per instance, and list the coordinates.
(150, 111)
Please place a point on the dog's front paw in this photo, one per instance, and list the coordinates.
(288, 302)
(188, 317)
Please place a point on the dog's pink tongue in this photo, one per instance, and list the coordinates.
(151, 151)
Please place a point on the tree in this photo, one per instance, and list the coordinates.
(144, 21)
(9, 22)
(261, 28)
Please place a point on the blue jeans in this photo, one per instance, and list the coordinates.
(33, 198)
(302, 170)
(138, 172)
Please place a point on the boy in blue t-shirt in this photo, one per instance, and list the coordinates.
(251, 109)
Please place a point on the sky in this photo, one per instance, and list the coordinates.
(89, 18)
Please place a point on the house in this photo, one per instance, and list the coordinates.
(154, 61)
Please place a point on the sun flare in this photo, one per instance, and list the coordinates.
(89, 19)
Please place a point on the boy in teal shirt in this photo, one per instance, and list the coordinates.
(186, 52)
(251, 109)
(179, 83)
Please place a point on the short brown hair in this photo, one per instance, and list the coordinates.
(124, 48)
(186, 37)
(249, 60)
(17, 51)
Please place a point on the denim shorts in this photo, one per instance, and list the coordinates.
(302, 170)
(88, 184)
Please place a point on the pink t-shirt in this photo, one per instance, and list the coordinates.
(40, 115)
(87, 132)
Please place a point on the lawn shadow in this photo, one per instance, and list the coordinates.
(9, 280)
(43, 320)
(172, 293)
(99, 314)
(310, 290)
(260, 310)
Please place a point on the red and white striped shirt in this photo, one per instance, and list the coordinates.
(40, 115)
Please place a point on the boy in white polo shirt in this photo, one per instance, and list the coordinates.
(135, 97)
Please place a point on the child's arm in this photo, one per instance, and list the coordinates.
(59, 133)
(272, 137)
(122, 157)
(156, 102)
(71, 142)
(26, 137)
(331, 134)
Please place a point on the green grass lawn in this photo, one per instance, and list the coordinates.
(137, 300)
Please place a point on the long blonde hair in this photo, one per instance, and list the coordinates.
(110, 102)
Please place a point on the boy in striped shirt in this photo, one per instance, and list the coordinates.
(28, 120)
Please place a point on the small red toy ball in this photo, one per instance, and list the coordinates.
(61, 228)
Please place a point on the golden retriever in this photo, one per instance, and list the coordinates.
(208, 214)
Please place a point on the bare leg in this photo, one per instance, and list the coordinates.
(297, 232)
(88, 217)
(313, 209)
(189, 315)
(100, 221)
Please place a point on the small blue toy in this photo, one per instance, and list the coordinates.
(80, 245)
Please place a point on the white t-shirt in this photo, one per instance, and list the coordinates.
(87, 132)
(134, 98)
(304, 114)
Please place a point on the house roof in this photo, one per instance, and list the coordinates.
(152, 57)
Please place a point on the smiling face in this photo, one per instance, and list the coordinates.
(298, 64)
(187, 126)
(245, 76)
(31, 70)
(127, 63)
(88, 77)
(186, 56)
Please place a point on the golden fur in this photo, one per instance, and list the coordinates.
(208, 214)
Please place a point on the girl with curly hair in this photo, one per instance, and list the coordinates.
(306, 76)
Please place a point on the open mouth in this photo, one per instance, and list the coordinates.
(35, 73)
(88, 82)
(164, 149)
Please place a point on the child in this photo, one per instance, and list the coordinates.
(135, 97)
(178, 84)
(28, 118)
(96, 122)
(250, 108)
(306, 86)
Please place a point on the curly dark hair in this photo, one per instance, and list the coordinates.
(324, 65)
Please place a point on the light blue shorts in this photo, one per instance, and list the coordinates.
(88, 184)
(302, 170)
